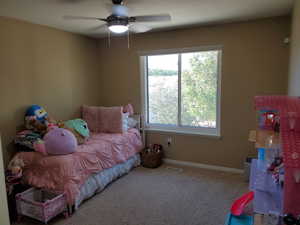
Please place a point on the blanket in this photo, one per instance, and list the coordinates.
(66, 173)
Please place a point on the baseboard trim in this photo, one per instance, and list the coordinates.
(203, 166)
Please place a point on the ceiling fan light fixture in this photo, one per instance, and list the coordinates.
(120, 22)
(118, 28)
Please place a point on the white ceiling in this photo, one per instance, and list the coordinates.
(184, 12)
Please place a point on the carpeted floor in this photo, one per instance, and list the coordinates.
(163, 196)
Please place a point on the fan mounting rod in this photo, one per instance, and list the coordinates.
(117, 2)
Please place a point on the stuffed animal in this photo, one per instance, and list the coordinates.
(59, 141)
(15, 166)
(38, 112)
(79, 128)
(37, 119)
(39, 146)
(13, 174)
(36, 126)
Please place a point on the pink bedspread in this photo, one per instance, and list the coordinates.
(66, 173)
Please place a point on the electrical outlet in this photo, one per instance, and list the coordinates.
(169, 141)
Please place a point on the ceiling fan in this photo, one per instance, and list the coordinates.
(120, 22)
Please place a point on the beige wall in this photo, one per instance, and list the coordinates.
(255, 62)
(294, 75)
(61, 71)
(4, 218)
(40, 65)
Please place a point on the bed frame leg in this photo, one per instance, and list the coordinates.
(66, 214)
(69, 210)
(19, 218)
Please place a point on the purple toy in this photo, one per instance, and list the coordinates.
(59, 141)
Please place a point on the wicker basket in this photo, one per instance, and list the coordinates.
(41, 205)
(151, 158)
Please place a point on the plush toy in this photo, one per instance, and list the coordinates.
(15, 166)
(79, 128)
(36, 126)
(13, 174)
(37, 119)
(39, 146)
(37, 112)
(59, 141)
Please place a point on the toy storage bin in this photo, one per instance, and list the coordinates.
(40, 204)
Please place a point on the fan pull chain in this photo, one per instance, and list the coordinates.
(108, 38)
(128, 40)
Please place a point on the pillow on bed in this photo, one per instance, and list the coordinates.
(103, 119)
(125, 125)
(132, 122)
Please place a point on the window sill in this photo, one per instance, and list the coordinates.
(193, 133)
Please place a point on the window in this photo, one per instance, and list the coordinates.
(181, 90)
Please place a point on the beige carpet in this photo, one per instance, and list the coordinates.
(163, 196)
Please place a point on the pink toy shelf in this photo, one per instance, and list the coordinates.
(288, 109)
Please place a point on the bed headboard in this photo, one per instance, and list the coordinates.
(137, 117)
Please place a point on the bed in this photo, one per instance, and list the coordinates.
(102, 159)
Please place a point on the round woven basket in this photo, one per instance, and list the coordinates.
(151, 159)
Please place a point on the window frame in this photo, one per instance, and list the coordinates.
(204, 131)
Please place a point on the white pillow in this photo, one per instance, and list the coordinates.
(125, 122)
(132, 122)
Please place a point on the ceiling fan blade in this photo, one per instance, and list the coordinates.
(151, 18)
(99, 27)
(70, 1)
(139, 28)
(82, 18)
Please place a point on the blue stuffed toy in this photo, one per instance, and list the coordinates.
(36, 118)
(38, 112)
